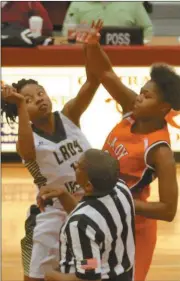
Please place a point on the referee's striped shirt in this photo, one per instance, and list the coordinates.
(97, 241)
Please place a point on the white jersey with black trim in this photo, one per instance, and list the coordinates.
(57, 153)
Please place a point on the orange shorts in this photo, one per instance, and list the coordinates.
(146, 235)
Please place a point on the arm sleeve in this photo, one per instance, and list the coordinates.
(86, 251)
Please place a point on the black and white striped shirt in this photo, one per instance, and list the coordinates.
(97, 240)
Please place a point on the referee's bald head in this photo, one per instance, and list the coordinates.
(102, 170)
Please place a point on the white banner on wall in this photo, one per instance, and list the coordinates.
(63, 83)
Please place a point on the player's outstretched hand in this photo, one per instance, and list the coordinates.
(10, 95)
(92, 36)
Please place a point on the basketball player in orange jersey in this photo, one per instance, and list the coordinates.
(141, 143)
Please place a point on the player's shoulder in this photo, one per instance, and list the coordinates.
(161, 135)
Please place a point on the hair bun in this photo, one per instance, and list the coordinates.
(14, 85)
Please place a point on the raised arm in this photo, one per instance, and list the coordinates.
(25, 145)
(100, 65)
(76, 107)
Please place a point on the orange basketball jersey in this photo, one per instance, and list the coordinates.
(131, 150)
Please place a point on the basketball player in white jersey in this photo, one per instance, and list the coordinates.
(49, 144)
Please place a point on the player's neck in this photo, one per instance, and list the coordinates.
(147, 126)
(46, 124)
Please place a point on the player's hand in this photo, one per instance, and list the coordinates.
(46, 193)
(10, 95)
(51, 192)
(90, 37)
(40, 203)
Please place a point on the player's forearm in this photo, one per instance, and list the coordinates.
(100, 64)
(77, 106)
(25, 135)
(86, 95)
(68, 202)
(98, 61)
(154, 210)
(88, 89)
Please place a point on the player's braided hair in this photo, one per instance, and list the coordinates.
(168, 82)
(10, 110)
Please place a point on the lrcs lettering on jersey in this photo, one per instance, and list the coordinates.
(118, 149)
(68, 150)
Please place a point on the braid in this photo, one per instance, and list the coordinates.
(9, 109)
(23, 82)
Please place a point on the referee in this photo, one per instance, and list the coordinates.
(97, 239)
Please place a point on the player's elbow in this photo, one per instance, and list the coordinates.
(170, 212)
(29, 158)
(28, 155)
(169, 217)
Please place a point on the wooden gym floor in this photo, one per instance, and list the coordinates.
(18, 193)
